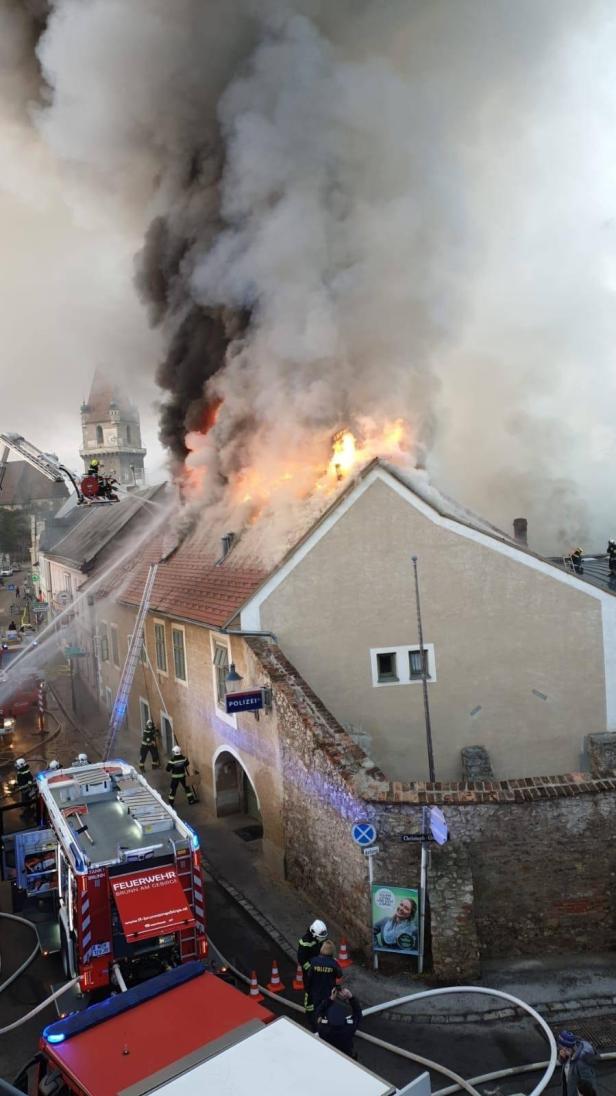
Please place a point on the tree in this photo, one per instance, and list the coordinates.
(14, 533)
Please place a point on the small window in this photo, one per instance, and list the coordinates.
(144, 712)
(161, 648)
(221, 669)
(386, 666)
(179, 655)
(143, 658)
(415, 666)
(104, 643)
(115, 648)
(99, 435)
(128, 437)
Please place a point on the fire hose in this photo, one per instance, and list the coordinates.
(20, 970)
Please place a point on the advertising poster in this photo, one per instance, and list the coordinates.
(395, 919)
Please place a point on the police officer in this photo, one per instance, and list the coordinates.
(309, 945)
(25, 783)
(319, 980)
(338, 1018)
(178, 767)
(149, 746)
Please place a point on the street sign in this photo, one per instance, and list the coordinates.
(74, 652)
(438, 826)
(363, 834)
(10, 586)
(415, 837)
(250, 701)
(371, 851)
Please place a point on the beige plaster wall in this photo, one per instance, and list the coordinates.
(500, 630)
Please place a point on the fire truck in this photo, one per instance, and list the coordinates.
(23, 695)
(123, 871)
(183, 1032)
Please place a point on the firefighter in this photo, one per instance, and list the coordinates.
(320, 978)
(611, 557)
(149, 746)
(309, 945)
(25, 783)
(81, 759)
(53, 765)
(576, 561)
(178, 767)
(93, 467)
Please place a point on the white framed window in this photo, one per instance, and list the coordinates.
(221, 660)
(115, 646)
(104, 642)
(142, 654)
(401, 665)
(144, 712)
(166, 731)
(160, 643)
(179, 653)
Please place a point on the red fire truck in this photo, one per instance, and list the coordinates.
(187, 1032)
(125, 872)
(23, 695)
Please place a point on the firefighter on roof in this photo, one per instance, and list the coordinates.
(611, 556)
(178, 767)
(149, 745)
(25, 783)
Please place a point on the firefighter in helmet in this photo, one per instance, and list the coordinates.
(81, 759)
(611, 557)
(54, 765)
(576, 561)
(149, 745)
(178, 767)
(309, 945)
(26, 785)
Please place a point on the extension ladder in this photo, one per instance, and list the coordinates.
(133, 656)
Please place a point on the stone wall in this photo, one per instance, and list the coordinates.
(529, 868)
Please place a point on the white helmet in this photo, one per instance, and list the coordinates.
(82, 759)
(176, 751)
(20, 763)
(319, 929)
(54, 764)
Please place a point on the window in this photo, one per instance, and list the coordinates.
(179, 656)
(104, 638)
(392, 666)
(166, 730)
(142, 654)
(221, 669)
(68, 587)
(144, 711)
(415, 666)
(386, 666)
(161, 648)
(128, 437)
(115, 648)
(99, 435)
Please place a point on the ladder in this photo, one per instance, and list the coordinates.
(132, 660)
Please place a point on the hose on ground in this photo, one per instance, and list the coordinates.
(24, 966)
(39, 1008)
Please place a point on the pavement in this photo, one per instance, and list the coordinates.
(561, 988)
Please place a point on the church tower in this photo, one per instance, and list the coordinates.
(111, 432)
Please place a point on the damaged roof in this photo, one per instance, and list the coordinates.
(97, 526)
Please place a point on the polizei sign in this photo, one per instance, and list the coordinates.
(250, 701)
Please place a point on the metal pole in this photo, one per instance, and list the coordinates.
(375, 957)
(423, 885)
(424, 679)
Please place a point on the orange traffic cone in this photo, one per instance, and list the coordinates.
(344, 959)
(254, 988)
(298, 981)
(275, 985)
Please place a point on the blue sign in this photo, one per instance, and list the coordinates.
(438, 826)
(250, 701)
(10, 586)
(363, 834)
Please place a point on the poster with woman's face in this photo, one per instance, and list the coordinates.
(395, 919)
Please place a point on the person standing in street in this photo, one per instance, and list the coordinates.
(319, 980)
(577, 1060)
(178, 766)
(149, 745)
(309, 945)
(338, 1018)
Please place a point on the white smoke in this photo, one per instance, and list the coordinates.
(415, 208)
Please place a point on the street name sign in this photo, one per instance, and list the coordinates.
(371, 850)
(249, 701)
(363, 834)
(415, 837)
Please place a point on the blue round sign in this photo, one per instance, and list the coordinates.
(363, 834)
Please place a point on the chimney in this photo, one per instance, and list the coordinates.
(227, 543)
(520, 530)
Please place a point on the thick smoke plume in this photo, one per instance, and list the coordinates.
(375, 213)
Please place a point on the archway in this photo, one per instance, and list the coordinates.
(235, 792)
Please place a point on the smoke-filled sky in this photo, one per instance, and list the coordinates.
(298, 219)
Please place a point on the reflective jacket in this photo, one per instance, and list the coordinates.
(25, 780)
(178, 766)
(320, 978)
(148, 737)
(308, 947)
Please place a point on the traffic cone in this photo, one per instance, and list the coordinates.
(275, 985)
(298, 981)
(254, 988)
(344, 959)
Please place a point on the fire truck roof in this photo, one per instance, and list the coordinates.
(136, 1038)
(107, 814)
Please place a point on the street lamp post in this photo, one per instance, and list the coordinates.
(425, 828)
